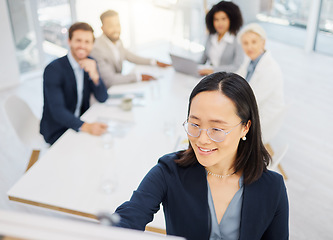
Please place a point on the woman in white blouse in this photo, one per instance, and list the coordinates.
(222, 51)
(264, 76)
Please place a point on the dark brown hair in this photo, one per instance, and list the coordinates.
(80, 26)
(233, 12)
(252, 157)
(108, 13)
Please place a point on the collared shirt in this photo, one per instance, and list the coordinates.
(78, 72)
(252, 67)
(230, 223)
(218, 47)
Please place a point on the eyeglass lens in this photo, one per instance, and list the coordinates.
(215, 134)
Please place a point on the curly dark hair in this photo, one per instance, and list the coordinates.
(233, 12)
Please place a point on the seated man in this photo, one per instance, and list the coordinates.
(110, 53)
(68, 84)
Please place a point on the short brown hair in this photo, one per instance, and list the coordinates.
(108, 13)
(80, 26)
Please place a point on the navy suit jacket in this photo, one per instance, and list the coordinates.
(60, 99)
(183, 193)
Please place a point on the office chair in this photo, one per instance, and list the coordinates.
(271, 132)
(26, 126)
(277, 156)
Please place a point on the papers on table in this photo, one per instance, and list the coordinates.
(118, 128)
(138, 92)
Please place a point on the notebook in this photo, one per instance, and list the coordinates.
(184, 65)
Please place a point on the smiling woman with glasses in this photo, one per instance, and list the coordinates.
(219, 188)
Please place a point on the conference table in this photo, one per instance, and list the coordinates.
(83, 175)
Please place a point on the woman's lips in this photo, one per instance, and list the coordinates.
(206, 151)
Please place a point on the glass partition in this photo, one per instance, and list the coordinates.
(282, 18)
(54, 18)
(24, 35)
(324, 41)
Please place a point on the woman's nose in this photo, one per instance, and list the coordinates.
(203, 137)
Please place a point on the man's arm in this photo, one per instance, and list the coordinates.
(90, 66)
(131, 57)
(108, 71)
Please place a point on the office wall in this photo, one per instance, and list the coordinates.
(9, 72)
(249, 9)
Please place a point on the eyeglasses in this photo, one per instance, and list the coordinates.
(215, 134)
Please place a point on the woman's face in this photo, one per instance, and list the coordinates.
(212, 109)
(253, 45)
(221, 22)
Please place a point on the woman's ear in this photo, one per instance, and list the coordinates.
(246, 127)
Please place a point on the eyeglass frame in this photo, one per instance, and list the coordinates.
(200, 129)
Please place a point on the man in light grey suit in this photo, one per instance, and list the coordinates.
(110, 53)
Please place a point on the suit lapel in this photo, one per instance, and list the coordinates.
(227, 53)
(71, 78)
(261, 66)
(86, 92)
(118, 64)
(253, 212)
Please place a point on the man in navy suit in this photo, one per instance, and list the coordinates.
(68, 84)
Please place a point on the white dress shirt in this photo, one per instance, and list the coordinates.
(78, 72)
(217, 47)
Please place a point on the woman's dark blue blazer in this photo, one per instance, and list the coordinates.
(183, 193)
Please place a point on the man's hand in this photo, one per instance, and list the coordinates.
(90, 66)
(95, 128)
(206, 71)
(146, 77)
(163, 65)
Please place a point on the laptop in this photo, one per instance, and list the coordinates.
(184, 65)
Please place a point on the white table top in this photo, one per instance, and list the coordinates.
(71, 174)
(28, 226)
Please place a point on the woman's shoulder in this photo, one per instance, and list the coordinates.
(270, 180)
(169, 159)
(271, 175)
(269, 186)
(167, 162)
(268, 64)
(268, 58)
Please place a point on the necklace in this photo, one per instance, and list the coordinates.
(220, 176)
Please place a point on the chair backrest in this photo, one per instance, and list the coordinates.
(275, 125)
(24, 122)
(278, 156)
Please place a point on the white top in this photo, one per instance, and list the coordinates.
(267, 85)
(217, 47)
